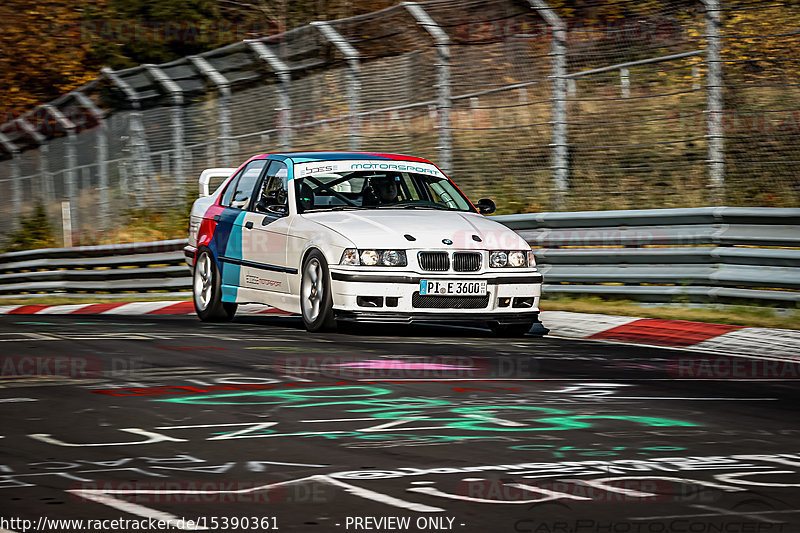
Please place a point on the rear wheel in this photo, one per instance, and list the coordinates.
(316, 301)
(511, 330)
(207, 290)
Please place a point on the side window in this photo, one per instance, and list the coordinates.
(241, 187)
(274, 190)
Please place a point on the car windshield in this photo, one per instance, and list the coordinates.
(377, 190)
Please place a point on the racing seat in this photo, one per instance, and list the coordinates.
(305, 198)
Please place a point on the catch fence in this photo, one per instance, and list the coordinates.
(609, 105)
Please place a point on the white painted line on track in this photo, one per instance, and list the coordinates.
(208, 425)
(287, 464)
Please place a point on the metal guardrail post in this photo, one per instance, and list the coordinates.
(284, 100)
(224, 90)
(102, 155)
(558, 53)
(444, 101)
(715, 104)
(72, 161)
(176, 118)
(16, 190)
(353, 59)
(139, 151)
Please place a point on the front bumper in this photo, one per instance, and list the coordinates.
(396, 294)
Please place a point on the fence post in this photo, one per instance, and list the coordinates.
(48, 191)
(715, 104)
(72, 161)
(139, 152)
(102, 155)
(558, 53)
(40, 140)
(625, 82)
(444, 101)
(284, 100)
(224, 90)
(353, 59)
(176, 121)
(16, 191)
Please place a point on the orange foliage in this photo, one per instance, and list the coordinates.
(41, 52)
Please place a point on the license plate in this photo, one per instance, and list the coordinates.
(446, 287)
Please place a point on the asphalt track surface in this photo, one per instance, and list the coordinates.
(423, 428)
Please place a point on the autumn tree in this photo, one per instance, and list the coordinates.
(41, 53)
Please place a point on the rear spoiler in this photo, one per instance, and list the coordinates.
(207, 174)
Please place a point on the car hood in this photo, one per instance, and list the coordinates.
(387, 229)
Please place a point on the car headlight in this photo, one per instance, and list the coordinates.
(369, 257)
(354, 257)
(349, 257)
(513, 259)
(498, 259)
(516, 259)
(393, 257)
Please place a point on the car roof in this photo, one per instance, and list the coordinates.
(310, 157)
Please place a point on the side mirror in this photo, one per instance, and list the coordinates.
(486, 206)
(282, 210)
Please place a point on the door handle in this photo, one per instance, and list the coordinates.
(248, 225)
(216, 218)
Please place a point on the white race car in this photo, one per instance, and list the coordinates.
(356, 236)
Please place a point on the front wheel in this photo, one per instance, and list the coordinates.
(510, 330)
(316, 301)
(207, 291)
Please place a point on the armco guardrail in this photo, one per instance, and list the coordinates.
(660, 255)
(664, 255)
(116, 268)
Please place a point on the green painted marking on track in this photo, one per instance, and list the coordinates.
(282, 396)
(479, 418)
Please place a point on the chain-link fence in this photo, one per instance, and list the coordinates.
(559, 106)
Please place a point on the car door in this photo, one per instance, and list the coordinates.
(265, 229)
(228, 232)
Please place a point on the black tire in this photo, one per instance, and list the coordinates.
(207, 291)
(511, 330)
(316, 300)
